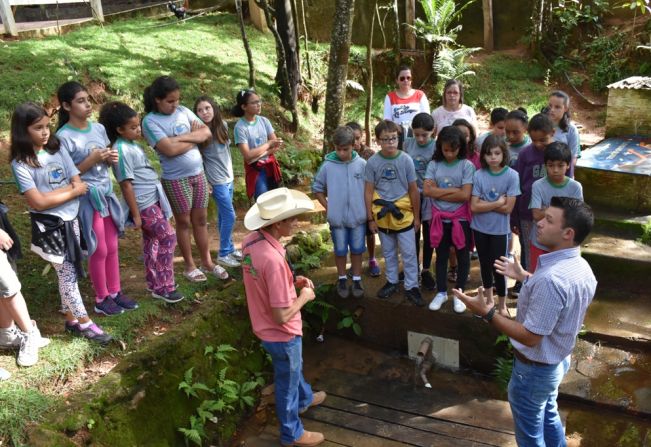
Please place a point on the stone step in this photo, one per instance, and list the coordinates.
(616, 223)
(617, 260)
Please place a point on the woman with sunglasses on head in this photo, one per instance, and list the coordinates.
(402, 104)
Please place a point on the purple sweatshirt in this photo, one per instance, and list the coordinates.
(531, 167)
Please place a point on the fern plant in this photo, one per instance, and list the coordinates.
(441, 25)
(450, 63)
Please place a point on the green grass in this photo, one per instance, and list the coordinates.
(19, 405)
(507, 81)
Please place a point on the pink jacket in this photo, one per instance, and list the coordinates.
(436, 226)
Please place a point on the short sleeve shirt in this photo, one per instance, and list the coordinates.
(542, 192)
(514, 150)
(253, 134)
(56, 172)
(390, 176)
(489, 187)
(421, 155)
(269, 283)
(449, 175)
(217, 162)
(403, 110)
(443, 118)
(157, 126)
(134, 165)
(79, 143)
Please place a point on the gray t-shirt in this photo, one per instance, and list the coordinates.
(157, 126)
(254, 134)
(542, 192)
(449, 175)
(421, 155)
(79, 144)
(133, 165)
(390, 176)
(56, 172)
(217, 162)
(489, 187)
(514, 150)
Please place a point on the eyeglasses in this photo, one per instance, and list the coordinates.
(388, 140)
(404, 78)
(257, 103)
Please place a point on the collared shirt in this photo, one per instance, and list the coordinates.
(553, 303)
(269, 283)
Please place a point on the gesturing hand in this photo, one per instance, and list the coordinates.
(476, 304)
(511, 269)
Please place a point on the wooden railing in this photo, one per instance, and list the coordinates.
(7, 15)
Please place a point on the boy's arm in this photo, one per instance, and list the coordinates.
(538, 213)
(129, 196)
(414, 195)
(321, 197)
(369, 189)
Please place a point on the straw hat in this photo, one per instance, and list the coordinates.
(276, 205)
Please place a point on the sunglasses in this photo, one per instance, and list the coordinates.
(404, 78)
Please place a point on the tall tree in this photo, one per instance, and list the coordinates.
(338, 68)
(245, 40)
(369, 81)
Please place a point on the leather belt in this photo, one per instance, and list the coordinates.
(518, 355)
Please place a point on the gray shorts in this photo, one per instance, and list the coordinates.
(9, 284)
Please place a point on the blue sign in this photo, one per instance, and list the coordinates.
(628, 154)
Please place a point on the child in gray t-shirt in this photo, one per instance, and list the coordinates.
(393, 209)
(558, 159)
(147, 204)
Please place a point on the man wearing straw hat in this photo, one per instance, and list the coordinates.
(275, 308)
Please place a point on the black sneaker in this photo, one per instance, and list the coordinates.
(170, 297)
(414, 296)
(125, 302)
(387, 290)
(342, 288)
(92, 333)
(427, 280)
(515, 291)
(358, 290)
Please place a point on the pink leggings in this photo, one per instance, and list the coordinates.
(103, 264)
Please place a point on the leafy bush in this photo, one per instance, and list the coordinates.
(608, 57)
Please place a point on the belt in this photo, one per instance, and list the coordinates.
(518, 355)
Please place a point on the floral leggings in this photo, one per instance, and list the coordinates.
(68, 288)
(158, 244)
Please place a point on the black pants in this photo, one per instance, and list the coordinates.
(443, 254)
(428, 251)
(490, 247)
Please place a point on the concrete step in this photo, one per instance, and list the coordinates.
(616, 223)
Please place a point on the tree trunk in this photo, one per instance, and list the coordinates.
(305, 42)
(288, 75)
(247, 47)
(410, 17)
(369, 83)
(338, 68)
(487, 8)
(396, 43)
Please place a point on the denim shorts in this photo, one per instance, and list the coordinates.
(355, 238)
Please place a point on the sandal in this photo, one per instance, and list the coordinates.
(217, 270)
(195, 275)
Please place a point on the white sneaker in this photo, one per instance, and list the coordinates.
(228, 261)
(237, 254)
(458, 305)
(9, 338)
(28, 353)
(438, 301)
(4, 374)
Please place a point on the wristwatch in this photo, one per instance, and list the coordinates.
(489, 316)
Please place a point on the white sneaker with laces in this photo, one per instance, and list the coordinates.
(28, 352)
(458, 306)
(228, 261)
(438, 301)
(10, 338)
(237, 254)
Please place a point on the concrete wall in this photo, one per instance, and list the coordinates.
(628, 112)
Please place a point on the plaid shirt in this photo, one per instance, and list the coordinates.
(553, 303)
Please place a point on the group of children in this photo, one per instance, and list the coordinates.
(460, 192)
(455, 190)
(64, 178)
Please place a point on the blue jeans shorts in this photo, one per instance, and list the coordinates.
(343, 238)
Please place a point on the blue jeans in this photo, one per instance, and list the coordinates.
(292, 392)
(343, 238)
(533, 390)
(223, 196)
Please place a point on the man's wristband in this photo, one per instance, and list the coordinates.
(489, 316)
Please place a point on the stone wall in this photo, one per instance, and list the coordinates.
(628, 112)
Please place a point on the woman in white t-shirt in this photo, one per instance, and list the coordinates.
(452, 107)
(403, 103)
